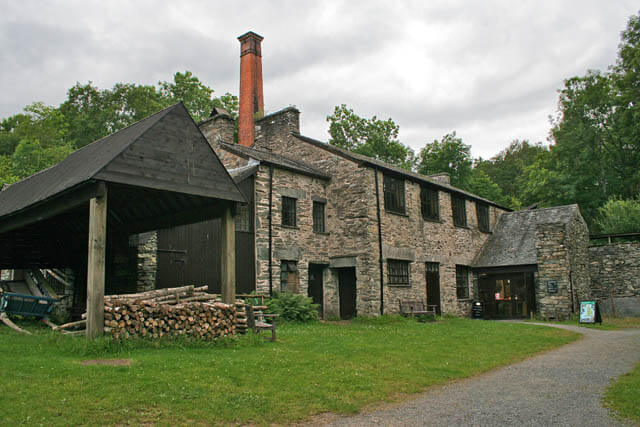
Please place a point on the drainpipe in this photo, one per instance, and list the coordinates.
(270, 230)
(375, 171)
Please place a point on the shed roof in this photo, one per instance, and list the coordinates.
(513, 241)
(158, 172)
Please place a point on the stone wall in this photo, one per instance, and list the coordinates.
(353, 226)
(615, 270)
(553, 265)
(147, 256)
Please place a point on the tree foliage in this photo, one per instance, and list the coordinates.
(371, 137)
(619, 216)
(44, 135)
(449, 155)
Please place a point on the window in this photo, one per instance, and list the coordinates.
(429, 203)
(318, 217)
(243, 222)
(288, 211)
(462, 281)
(398, 272)
(482, 211)
(458, 206)
(289, 277)
(393, 194)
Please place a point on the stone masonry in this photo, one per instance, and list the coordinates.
(615, 271)
(352, 225)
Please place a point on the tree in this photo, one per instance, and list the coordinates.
(197, 97)
(619, 216)
(371, 137)
(449, 155)
(481, 184)
(507, 167)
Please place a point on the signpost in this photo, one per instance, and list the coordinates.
(590, 312)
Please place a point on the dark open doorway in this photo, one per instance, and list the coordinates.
(347, 291)
(315, 290)
(432, 275)
(507, 296)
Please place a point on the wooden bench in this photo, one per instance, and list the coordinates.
(257, 320)
(416, 307)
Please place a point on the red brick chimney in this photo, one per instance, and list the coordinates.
(251, 99)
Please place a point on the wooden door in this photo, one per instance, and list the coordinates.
(432, 276)
(347, 292)
(315, 290)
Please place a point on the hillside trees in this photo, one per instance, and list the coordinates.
(371, 137)
(44, 135)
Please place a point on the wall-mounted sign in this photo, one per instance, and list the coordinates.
(589, 312)
(552, 286)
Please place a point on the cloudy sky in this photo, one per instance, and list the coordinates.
(489, 70)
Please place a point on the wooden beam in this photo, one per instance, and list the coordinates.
(96, 266)
(228, 255)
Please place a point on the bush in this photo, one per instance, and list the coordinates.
(292, 307)
(619, 216)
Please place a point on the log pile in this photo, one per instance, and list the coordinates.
(186, 310)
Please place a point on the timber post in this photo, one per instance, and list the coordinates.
(228, 256)
(96, 265)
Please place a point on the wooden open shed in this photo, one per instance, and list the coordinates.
(159, 172)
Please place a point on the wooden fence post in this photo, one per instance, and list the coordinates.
(228, 257)
(96, 266)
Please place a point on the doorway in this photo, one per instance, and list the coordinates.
(347, 292)
(315, 289)
(507, 296)
(432, 276)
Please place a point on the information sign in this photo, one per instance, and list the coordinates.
(552, 286)
(590, 312)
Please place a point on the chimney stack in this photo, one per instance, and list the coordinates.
(251, 99)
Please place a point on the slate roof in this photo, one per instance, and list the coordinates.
(369, 161)
(513, 241)
(278, 160)
(83, 165)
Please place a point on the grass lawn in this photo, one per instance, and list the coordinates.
(313, 368)
(608, 323)
(623, 396)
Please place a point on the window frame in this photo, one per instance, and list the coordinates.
(462, 282)
(459, 210)
(484, 217)
(430, 197)
(243, 218)
(394, 188)
(397, 278)
(292, 212)
(319, 227)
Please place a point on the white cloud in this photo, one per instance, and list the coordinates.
(489, 70)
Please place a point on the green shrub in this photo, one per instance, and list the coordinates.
(292, 307)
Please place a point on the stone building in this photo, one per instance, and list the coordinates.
(356, 234)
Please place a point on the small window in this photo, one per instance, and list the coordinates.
(394, 194)
(459, 208)
(289, 277)
(482, 211)
(318, 217)
(243, 222)
(398, 272)
(288, 211)
(429, 203)
(462, 281)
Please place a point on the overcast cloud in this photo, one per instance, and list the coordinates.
(489, 70)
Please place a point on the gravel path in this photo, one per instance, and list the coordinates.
(560, 387)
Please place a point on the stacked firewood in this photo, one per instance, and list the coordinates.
(169, 312)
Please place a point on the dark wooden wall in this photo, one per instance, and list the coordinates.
(190, 254)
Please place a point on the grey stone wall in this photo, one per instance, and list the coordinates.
(615, 271)
(147, 245)
(353, 226)
(218, 128)
(553, 265)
